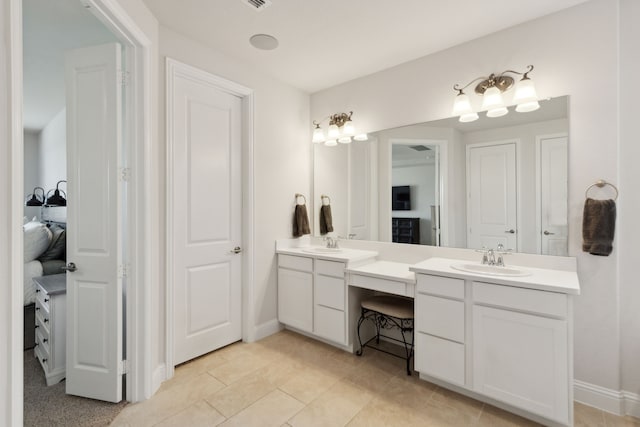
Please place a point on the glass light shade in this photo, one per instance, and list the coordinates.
(469, 117)
(527, 106)
(344, 140)
(331, 143)
(361, 137)
(333, 132)
(318, 135)
(492, 99)
(461, 105)
(497, 112)
(348, 128)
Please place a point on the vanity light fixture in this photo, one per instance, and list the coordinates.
(341, 130)
(491, 88)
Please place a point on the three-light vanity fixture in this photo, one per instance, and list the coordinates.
(491, 89)
(341, 130)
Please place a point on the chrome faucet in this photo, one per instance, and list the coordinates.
(491, 257)
(332, 242)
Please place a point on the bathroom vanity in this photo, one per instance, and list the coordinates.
(503, 335)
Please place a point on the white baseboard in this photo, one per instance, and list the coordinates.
(616, 402)
(631, 404)
(268, 328)
(159, 376)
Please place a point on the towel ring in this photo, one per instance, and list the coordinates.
(301, 195)
(601, 183)
(324, 196)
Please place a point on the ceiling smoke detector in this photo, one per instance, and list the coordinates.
(257, 5)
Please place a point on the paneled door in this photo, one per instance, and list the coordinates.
(94, 249)
(552, 175)
(205, 201)
(491, 192)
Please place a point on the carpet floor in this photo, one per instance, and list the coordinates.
(51, 407)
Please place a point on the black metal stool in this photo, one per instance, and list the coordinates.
(387, 312)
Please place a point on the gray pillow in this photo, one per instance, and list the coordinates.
(58, 247)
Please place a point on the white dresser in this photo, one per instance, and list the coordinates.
(51, 325)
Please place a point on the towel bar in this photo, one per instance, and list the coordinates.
(301, 195)
(601, 183)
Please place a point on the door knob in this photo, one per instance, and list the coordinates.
(512, 231)
(71, 267)
(547, 233)
(236, 250)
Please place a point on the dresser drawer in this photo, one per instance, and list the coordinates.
(42, 328)
(441, 286)
(329, 291)
(43, 358)
(530, 300)
(43, 317)
(330, 268)
(441, 317)
(383, 285)
(42, 296)
(43, 342)
(295, 262)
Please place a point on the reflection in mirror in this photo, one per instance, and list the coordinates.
(493, 181)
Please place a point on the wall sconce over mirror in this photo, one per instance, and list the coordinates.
(35, 200)
(491, 89)
(56, 199)
(341, 130)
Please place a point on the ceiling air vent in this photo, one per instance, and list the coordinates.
(420, 148)
(257, 5)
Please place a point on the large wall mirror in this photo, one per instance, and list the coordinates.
(445, 183)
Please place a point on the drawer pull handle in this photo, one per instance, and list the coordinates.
(44, 360)
(44, 340)
(37, 290)
(46, 320)
(35, 345)
(37, 326)
(37, 308)
(46, 300)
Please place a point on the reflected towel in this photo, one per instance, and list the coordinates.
(300, 221)
(598, 226)
(326, 221)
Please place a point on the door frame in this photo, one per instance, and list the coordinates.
(141, 240)
(172, 68)
(518, 146)
(443, 180)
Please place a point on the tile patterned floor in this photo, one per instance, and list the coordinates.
(288, 380)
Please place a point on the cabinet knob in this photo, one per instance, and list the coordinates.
(44, 340)
(37, 290)
(37, 326)
(37, 308)
(44, 360)
(46, 320)
(46, 300)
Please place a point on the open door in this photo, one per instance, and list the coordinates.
(94, 288)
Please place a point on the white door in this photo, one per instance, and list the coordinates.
(552, 173)
(360, 190)
(491, 186)
(435, 208)
(205, 202)
(94, 290)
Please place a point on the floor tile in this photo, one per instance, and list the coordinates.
(587, 416)
(272, 410)
(335, 407)
(612, 420)
(200, 414)
(308, 383)
(495, 417)
(239, 395)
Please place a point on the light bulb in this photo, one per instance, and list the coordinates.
(493, 103)
(461, 105)
(348, 128)
(526, 96)
(331, 143)
(333, 132)
(469, 117)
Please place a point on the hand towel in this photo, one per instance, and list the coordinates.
(326, 221)
(598, 226)
(300, 221)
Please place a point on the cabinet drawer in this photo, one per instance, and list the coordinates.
(330, 268)
(43, 358)
(43, 343)
(442, 286)
(42, 315)
(531, 300)
(441, 317)
(295, 262)
(382, 285)
(329, 291)
(329, 323)
(439, 358)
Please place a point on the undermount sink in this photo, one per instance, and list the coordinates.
(321, 250)
(492, 270)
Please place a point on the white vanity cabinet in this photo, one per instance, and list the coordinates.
(329, 301)
(507, 341)
(295, 292)
(521, 348)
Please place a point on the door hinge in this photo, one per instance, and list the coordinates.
(123, 367)
(124, 174)
(123, 270)
(124, 77)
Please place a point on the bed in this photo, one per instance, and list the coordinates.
(44, 253)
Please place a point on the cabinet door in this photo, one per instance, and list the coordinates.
(521, 359)
(295, 299)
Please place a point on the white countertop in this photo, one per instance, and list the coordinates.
(543, 279)
(345, 255)
(386, 270)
